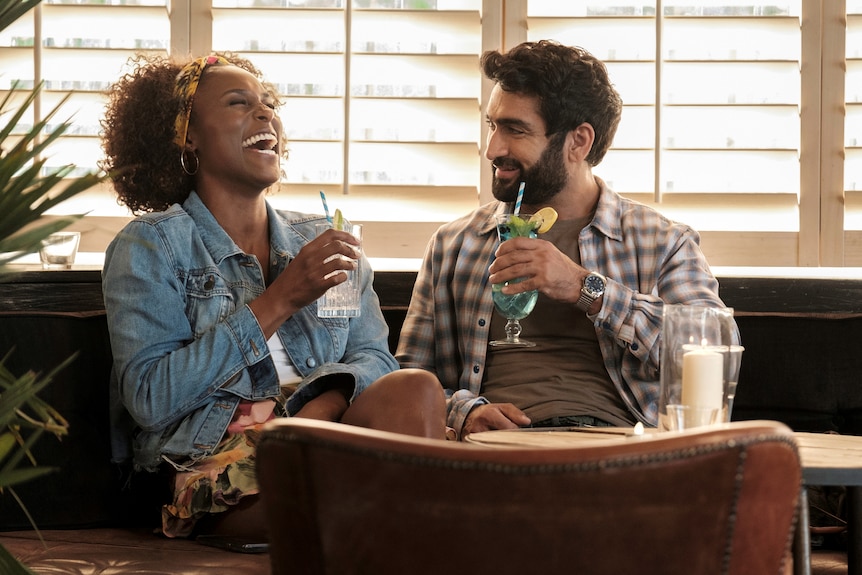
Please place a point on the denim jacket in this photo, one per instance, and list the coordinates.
(187, 348)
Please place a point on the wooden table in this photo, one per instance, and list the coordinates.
(830, 459)
(827, 459)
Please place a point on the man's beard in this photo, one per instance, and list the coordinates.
(541, 182)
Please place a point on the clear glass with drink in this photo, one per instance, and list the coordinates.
(514, 307)
(344, 299)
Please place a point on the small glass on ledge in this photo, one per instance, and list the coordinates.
(59, 250)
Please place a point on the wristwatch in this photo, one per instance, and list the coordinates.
(594, 288)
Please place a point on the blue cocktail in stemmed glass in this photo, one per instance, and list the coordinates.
(518, 306)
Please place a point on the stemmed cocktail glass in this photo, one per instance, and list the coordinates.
(517, 306)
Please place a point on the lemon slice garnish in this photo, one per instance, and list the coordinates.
(546, 217)
(338, 220)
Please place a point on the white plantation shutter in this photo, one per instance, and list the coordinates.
(382, 106)
(852, 136)
(711, 120)
(302, 51)
(731, 120)
(77, 48)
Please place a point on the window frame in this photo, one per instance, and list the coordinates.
(821, 237)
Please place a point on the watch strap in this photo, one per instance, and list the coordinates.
(585, 301)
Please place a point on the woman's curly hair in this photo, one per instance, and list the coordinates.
(138, 133)
(572, 85)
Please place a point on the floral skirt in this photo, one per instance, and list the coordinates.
(214, 483)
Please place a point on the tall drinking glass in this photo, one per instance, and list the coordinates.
(518, 306)
(345, 299)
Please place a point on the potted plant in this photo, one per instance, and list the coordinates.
(27, 191)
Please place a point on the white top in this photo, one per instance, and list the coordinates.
(287, 374)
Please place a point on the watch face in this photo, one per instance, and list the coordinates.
(594, 284)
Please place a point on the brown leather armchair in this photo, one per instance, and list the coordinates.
(343, 500)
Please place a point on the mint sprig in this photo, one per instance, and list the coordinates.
(521, 228)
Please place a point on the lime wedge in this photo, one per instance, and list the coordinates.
(544, 218)
(337, 220)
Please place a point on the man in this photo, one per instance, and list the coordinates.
(603, 271)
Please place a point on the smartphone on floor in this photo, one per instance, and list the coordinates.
(236, 544)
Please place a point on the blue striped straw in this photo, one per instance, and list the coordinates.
(520, 198)
(325, 207)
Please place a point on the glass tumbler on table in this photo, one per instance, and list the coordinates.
(700, 360)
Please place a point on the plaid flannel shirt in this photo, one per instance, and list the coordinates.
(648, 259)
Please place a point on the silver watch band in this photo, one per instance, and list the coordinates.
(584, 302)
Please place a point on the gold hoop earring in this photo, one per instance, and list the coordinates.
(186, 169)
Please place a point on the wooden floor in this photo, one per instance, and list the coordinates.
(828, 563)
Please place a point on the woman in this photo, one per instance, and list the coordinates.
(210, 295)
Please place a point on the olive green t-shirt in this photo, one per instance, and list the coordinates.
(564, 374)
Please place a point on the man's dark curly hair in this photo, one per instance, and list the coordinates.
(138, 133)
(572, 85)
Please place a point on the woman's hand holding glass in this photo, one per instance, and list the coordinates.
(307, 277)
(312, 272)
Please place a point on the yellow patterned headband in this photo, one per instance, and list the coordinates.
(185, 88)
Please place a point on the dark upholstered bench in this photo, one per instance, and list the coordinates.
(801, 366)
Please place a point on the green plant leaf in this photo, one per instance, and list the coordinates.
(25, 195)
(16, 476)
(24, 418)
(19, 398)
(11, 10)
(11, 566)
(7, 444)
(17, 455)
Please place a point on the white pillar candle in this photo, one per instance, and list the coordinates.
(703, 378)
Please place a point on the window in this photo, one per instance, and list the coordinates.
(82, 49)
(851, 239)
(383, 106)
(727, 124)
(710, 132)
(79, 47)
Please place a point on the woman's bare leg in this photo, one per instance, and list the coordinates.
(409, 401)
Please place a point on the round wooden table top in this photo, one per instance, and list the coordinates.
(827, 458)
